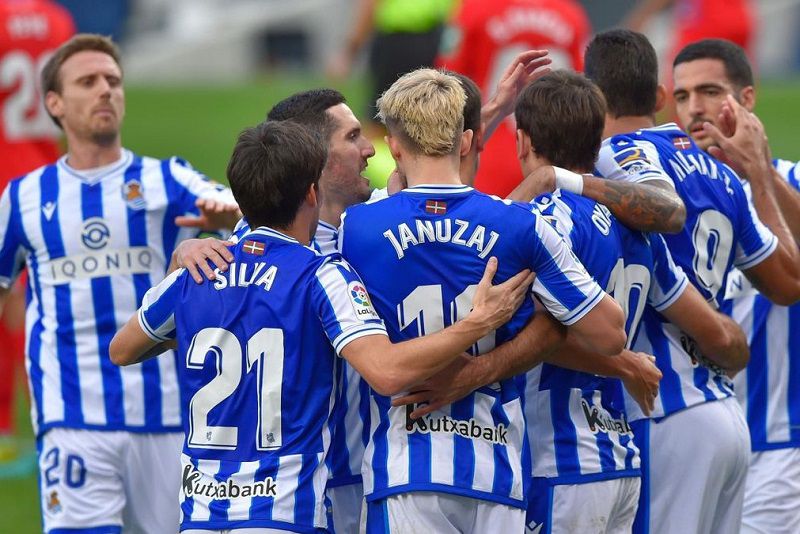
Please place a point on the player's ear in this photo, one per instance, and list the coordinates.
(54, 104)
(394, 146)
(466, 142)
(747, 98)
(524, 145)
(312, 195)
(661, 98)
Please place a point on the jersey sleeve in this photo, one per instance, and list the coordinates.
(11, 251)
(194, 185)
(630, 160)
(562, 283)
(343, 304)
(755, 241)
(668, 280)
(157, 312)
(241, 229)
(790, 171)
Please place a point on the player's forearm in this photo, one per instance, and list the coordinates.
(574, 356)
(131, 345)
(539, 339)
(492, 115)
(5, 292)
(644, 207)
(729, 348)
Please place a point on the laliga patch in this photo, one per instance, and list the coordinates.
(631, 158)
(360, 300)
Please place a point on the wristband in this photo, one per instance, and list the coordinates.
(568, 180)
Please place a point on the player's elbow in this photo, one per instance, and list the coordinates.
(389, 383)
(677, 220)
(117, 352)
(602, 330)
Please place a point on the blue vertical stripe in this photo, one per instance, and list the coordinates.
(701, 377)
(757, 373)
(105, 322)
(137, 237)
(605, 447)
(503, 481)
(380, 456)
(463, 449)
(419, 457)
(261, 507)
(793, 386)
(65, 329)
(305, 499)
(218, 508)
(566, 437)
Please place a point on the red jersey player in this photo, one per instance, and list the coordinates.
(488, 34)
(29, 31)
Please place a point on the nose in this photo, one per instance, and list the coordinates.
(696, 107)
(368, 150)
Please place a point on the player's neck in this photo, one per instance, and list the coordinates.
(432, 170)
(331, 212)
(626, 124)
(82, 155)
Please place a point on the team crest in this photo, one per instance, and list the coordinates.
(132, 194)
(360, 300)
(53, 503)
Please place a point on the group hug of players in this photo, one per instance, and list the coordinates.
(552, 429)
(430, 359)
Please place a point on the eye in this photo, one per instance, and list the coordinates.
(680, 97)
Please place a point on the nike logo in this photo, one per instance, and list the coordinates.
(48, 210)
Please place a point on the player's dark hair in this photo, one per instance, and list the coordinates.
(82, 42)
(624, 66)
(309, 109)
(271, 168)
(472, 108)
(732, 56)
(564, 114)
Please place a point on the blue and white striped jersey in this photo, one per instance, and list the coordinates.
(424, 249)
(577, 422)
(257, 373)
(721, 231)
(769, 388)
(94, 242)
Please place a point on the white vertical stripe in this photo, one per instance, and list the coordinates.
(484, 451)
(539, 424)
(743, 313)
(398, 447)
(369, 451)
(777, 416)
(588, 453)
(208, 468)
(286, 482)
(443, 448)
(170, 390)
(353, 422)
(239, 508)
(320, 481)
(516, 437)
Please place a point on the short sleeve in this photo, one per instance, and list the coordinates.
(668, 280)
(196, 185)
(157, 312)
(343, 304)
(755, 241)
(562, 283)
(630, 160)
(11, 251)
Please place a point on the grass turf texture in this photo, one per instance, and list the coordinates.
(201, 124)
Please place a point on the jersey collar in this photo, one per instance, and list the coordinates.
(439, 189)
(270, 232)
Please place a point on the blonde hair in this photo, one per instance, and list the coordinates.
(427, 108)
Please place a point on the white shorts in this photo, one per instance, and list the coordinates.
(425, 512)
(694, 467)
(346, 504)
(772, 493)
(94, 478)
(604, 506)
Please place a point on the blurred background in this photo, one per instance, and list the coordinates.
(199, 71)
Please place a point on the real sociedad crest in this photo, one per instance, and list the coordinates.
(132, 193)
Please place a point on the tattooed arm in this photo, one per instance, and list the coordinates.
(652, 206)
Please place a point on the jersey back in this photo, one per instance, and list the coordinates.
(30, 31)
(577, 422)
(425, 250)
(721, 231)
(481, 42)
(261, 336)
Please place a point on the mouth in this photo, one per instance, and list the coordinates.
(696, 128)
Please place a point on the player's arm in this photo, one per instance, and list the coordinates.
(526, 68)
(746, 150)
(651, 206)
(214, 203)
(341, 65)
(392, 368)
(789, 202)
(151, 330)
(718, 337)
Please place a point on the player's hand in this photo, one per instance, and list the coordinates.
(641, 378)
(526, 68)
(741, 141)
(493, 305)
(449, 385)
(194, 255)
(214, 215)
(396, 182)
(540, 181)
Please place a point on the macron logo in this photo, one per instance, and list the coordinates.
(48, 210)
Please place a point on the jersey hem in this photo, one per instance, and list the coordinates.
(590, 477)
(660, 418)
(442, 488)
(585, 307)
(337, 482)
(248, 523)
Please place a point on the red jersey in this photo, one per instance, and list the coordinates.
(30, 30)
(488, 35)
(721, 19)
